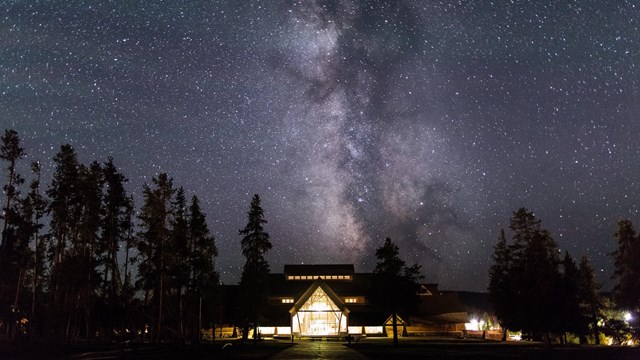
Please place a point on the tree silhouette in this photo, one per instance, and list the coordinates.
(396, 285)
(153, 246)
(627, 267)
(525, 279)
(255, 272)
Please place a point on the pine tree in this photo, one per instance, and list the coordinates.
(11, 152)
(113, 230)
(627, 267)
(153, 246)
(203, 279)
(180, 253)
(39, 205)
(64, 210)
(396, 284)
(533, 280)
(570, 317)
(589, 298)
(501, 286)
(11, 254)
(255, 273)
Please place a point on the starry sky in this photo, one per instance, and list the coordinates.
(429, 122)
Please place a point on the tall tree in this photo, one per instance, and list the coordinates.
(64, 210)
(203, 278)
(39, 205)
(501, 286)
(180, 253)
(627, 267)
(589, 299)
(396, 284)
(113, 228)
(533, 279)
(153, 246)
(11, 256)
(255, 273)
(570, 316)
(11, 152)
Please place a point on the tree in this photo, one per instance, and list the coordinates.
(39, 205)
(525, 278)
(180, 252)
(589, 299)
(396, 284)
(255, 272)
(627, 267)
(11, 248)
(113, 228)
(501, 287)
(153, 246)
(11, 152)
(203, 277)
(570, 317)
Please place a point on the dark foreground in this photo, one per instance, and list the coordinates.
(469, 349)
(369, 348)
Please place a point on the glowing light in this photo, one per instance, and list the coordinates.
(628, 317)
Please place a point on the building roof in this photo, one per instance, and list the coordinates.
(319, 269)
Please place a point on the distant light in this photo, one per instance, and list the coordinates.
(628, 317)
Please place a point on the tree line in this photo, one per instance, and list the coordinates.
(545, 294)
(78, 263)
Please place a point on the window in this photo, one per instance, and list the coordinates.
(287, 301)
(373, 329)
(351, 300)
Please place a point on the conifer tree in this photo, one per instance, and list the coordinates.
(396, 284)
(627, 267)
(533, 279)
(501, 286)
(203, 278)
(39, 205)
(113, 229)
(153, 246)
(11, 254)
(589, 299)
(255, 273)
(65, 210)
(180, 253)
(11, 152)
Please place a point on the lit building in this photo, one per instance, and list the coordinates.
(331, 301)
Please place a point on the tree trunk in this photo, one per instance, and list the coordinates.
(547, 340)
(395, 328)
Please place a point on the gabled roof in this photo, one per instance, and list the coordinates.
(327, 290)
(319, 269)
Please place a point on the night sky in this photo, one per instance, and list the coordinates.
(427, 122)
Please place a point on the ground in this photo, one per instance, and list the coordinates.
(410, 348)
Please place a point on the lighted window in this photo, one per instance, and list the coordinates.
(340, 277)
(284, 330)
(287, 301)
(347, 277)
(355, 329)
(319, 316)
(289, 277)
(373, 329)
(266, 330)
(351, 300)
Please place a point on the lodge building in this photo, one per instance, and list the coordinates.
(331, 301)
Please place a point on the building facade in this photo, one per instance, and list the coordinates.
(331, 301)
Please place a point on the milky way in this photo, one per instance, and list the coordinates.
(428, 122)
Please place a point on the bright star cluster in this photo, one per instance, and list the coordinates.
(429, 122)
